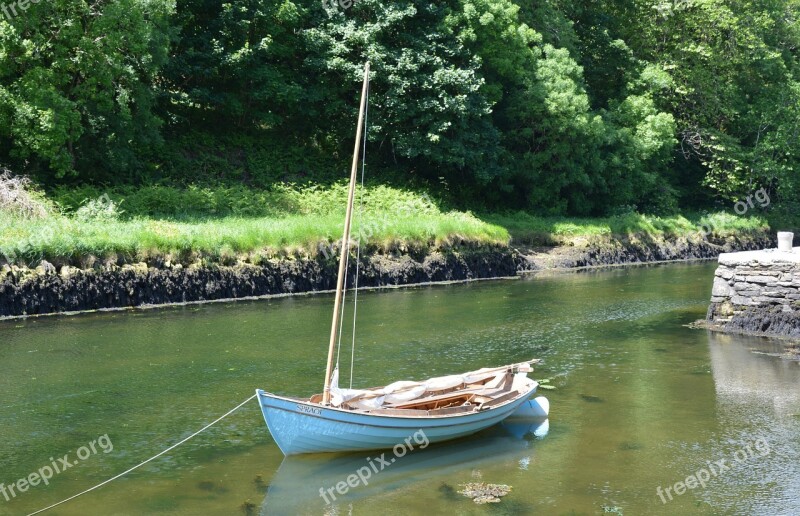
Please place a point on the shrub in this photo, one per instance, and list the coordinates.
(19, 197)
(101, 209)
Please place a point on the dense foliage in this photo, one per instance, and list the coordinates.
(554, 107)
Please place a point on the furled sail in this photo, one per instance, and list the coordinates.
(405, 391)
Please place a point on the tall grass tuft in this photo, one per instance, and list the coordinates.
(19, 198)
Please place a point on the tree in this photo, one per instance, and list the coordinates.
(430, 111)
(77, 86)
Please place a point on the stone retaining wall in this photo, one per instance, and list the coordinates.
(757, 292)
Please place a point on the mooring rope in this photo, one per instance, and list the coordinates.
(101, 484)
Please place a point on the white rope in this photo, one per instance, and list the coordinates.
(358, 249)
(347, 257)
(344, 298)
(101, 484)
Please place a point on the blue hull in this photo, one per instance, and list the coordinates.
(299, 426)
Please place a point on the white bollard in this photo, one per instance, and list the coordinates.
(785, 239)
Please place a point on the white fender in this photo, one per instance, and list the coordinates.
(538, 407)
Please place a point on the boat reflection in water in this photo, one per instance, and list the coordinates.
(301, 480)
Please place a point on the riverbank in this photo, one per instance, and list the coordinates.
(86, 228)
(160, 245)
(49, 288)
(613, 250)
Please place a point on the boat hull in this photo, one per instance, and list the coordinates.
(299, 426)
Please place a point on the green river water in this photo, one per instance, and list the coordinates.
(642, 402)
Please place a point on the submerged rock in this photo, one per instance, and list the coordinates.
(482, 493)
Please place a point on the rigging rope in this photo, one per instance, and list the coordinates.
(101, 484)
(358, 254)
(358, 240)
(344, 298)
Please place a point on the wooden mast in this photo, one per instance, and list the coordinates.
(337, 304)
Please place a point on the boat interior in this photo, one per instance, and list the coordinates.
(467, 397)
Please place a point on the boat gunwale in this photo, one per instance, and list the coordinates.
(489, 410)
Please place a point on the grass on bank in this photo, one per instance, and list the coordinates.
(526, 229)
(68, 239)
(228, 222)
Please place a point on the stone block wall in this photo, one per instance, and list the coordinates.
(757, 292)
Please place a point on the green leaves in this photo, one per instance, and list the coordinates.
(553, 106)
(428, 108)
(78, 83)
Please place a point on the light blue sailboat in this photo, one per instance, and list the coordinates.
(305, 426)
(442, 408)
